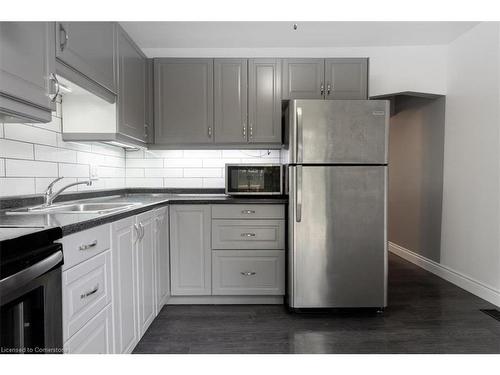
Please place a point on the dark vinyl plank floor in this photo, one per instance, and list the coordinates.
(426, 314)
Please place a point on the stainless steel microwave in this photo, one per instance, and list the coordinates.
(254, 179)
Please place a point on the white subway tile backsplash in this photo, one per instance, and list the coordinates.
(144, 163)
(2, 167)
(15, 150)
(145, 182)
(202, 154)
(30, 168)
(213, 182)
(17, 186)
(183, 182)
(1, 130)
(163, 172)
(183, 163)
(32, 134)
(110, 172)
(161, 154)
(219, 163)
(74, 170)
(203, 172)
(134, 172)
(49, 153)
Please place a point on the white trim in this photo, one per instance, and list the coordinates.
(225, 300)
(471, 285)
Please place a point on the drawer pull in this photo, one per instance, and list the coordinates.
(247, 235)
(248, 273)
(89, 293)
(88, 246)
(248, 212)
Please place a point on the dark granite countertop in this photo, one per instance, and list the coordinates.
(71, 223)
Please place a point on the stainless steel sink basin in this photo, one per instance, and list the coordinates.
(76, 208)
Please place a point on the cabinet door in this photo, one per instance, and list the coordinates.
(149, 102)
(26, 65)
(89, 48)
(126, 329)
(162, 259)
(346, 78)
(95, 337)
(131, 88)
(184, 101)
(146, 274)
(190, 250)
(303, 78)
(264, 104)
(230, 80)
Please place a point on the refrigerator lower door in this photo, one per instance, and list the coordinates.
(337, 236)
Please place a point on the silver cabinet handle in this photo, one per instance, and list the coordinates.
(209, 132)
(248, 273)
(300, 136)
(248, 212)
(322, 88)
(64, 41)
(244, 131)
(54, 79)
(298, 193)
(142, 230)
(328, 88)
(247, 234)
(88, 246)
(137, 233)
(90, 292)
(250, 131)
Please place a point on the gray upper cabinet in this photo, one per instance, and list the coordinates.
(149, 102)
(303, 78)
(346, 78)
(184, 101)
(27, 68)
(230, 100)
(89, 49)
(264, 101)
(338, 78)
(132, 86)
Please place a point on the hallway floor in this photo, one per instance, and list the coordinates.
(425, 315)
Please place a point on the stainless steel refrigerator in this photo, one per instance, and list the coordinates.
(337, 184)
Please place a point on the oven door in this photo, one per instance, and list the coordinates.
(254, 179)
(31, 308)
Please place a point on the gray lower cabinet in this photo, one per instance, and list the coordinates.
(346, 78)
(264, 101)
(27, 67)
(230, 100)
(184, 101)
(89, 48)
(132, 86)
(335, 78)
(190, 252)
(303, 78)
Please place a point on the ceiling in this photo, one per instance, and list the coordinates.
(163, 35)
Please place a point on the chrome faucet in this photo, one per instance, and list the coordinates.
(50, 196)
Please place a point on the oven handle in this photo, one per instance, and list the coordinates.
(21, 278)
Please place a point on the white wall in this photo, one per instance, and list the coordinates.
(392, 69)
(470, 242)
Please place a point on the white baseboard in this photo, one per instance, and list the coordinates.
(471, 285)
(225, 300)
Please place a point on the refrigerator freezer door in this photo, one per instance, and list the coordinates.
(338, 247)
(338, 131)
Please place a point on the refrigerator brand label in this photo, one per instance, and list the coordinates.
(378, 113)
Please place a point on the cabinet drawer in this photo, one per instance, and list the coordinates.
(248, 211)
(84, 245)
(86, 291)
(248, 272)
(94, 338)
(248, 234)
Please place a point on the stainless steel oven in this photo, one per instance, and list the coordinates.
(254, 179)
(31, 300)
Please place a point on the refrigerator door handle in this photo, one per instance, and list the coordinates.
(300, 136)
(298, 194)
